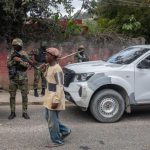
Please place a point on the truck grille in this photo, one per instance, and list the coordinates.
(68, 76)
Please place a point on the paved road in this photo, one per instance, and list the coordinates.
(131, 133)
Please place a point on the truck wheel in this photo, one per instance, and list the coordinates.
(107, 106)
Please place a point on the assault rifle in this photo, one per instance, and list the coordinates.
(25, 59)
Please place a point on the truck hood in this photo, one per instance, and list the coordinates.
(94, 66)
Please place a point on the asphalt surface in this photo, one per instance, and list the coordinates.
(132, 132)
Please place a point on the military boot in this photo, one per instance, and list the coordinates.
(25, 116)
(12, 116)
(43, 92)
(36, 93)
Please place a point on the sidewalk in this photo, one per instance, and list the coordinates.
(4, 98)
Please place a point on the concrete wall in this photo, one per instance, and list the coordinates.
(97, 48)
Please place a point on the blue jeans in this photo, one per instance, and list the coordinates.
(56, 128)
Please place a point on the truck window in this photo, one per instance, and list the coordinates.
(145, 63)
(128, 55)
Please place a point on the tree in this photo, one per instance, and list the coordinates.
(14, 14)
(130, 17)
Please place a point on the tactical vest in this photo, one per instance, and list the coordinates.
(40, 56)
(81, 57)
(17, 71)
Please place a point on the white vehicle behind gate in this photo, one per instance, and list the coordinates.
(110, 88)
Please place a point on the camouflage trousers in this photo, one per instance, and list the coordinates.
(23, 86)
(37, 76)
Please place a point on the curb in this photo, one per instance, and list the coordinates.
(36, 102)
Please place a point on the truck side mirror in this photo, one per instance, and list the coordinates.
(144, 64)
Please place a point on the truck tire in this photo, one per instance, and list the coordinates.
(107, 106)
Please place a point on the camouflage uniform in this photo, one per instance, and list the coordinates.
(18, 78)
(81, 56)
(40, 59)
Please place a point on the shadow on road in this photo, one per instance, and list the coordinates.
(141, 113)
(75, 115)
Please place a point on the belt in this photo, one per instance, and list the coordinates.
(51, 87)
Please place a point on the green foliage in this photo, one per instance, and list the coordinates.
(92, 26)
(130, 17)
(14, 14)
(101, 25)
(71, 28)
(106, 24)
(132, 25)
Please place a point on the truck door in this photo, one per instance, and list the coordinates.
(142, 81)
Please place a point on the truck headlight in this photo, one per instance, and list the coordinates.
(83, 76)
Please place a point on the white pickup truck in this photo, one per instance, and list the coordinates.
(110, 88)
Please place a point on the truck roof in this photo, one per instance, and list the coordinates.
(142, 46)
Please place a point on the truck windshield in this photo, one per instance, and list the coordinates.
(128, 55)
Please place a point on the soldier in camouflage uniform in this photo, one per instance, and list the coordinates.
(38, 57)
(18, 78)
(81, 56)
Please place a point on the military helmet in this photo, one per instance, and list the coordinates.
(17, 41)
(44, 44)
(81, 47)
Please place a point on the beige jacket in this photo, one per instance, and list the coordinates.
(55, 90)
